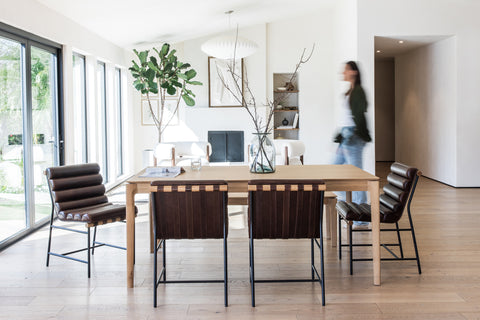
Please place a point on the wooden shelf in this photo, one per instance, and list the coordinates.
(285, 91)
(286, 129)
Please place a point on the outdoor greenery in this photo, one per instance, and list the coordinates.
(164, 75)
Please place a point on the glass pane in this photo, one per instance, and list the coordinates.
(12, 191)
(79, 109)
(102, 108)
(119, 135)
(44, 103)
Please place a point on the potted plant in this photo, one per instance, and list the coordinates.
(164, 75)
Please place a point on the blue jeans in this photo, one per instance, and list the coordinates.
(350, 151)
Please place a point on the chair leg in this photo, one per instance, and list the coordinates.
(164, 254)
(155, 272)
(312, 255)
(399, 240)
(225, 270)
(339, 237)
(414, 241)
(49, 239)
(94, 238)
(252, 271)
(350, 243)
(88, 251)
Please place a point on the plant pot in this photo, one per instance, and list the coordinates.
(262, 154)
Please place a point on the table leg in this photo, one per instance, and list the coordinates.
(373, 187)
(130, 206)
(333, 221)
(150, 223)
(328, 217)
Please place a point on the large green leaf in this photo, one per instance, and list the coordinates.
(182, 76)
(188, 101)
(195, 83)
(143, 57)
(171, 91)
(184, 66)
(150, 74)
(177, 84)
(164, 50)
(191, 74)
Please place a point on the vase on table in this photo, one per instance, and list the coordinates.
(262, 154)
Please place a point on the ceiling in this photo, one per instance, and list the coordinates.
(390, 47)
(128, 23)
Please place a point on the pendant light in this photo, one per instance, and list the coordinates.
(228, 47)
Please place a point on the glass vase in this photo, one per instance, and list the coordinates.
(262, 154)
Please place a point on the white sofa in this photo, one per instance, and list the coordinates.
(289, 152)
(180, 153)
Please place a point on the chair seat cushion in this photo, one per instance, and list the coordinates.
(95, 215)
(362, 212)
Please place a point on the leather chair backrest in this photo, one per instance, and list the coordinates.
(397, 190)
(285, 209)
(76, 186)
(190, 209)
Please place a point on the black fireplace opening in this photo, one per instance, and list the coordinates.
(227, 146)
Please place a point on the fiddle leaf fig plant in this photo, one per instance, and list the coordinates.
(164, 75)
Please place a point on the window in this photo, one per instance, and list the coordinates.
(102, 111)
(79, 109)
(31, 137)
(119, 122)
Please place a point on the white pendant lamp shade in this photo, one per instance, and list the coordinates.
(224, 47)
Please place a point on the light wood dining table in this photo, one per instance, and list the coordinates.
(337, 178)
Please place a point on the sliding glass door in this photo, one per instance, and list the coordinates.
(29, 134)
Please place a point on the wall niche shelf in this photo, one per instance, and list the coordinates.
(288, 99)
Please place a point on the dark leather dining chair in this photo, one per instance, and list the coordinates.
(287, 209)
(188, 210)
(398, 194)
(78, 195)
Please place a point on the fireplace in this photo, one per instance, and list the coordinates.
(227, 146)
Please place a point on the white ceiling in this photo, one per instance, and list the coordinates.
(135, 22)
(390, 46)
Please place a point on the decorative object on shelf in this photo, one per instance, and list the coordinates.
(262, 154)
(158, 77)
(289, 86)
(285, 121)
(262, 151)
(229, 47)
(219, 77)
(295, 120)
(279, 107)
(282, 89)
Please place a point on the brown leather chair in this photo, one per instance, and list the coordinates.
(78, 195)
(188, 210)
(398, 193)
(287, 209)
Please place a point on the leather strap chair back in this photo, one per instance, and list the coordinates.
(286, 209)
(189, 209)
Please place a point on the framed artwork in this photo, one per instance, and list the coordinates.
(218, 94)
(147, 119)
(170, 106)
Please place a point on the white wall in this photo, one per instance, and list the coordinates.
(425, 126)
(384, 110)
(420, 18)
(33, 17)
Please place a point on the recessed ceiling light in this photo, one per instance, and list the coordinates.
(378, 51)
(400, 41)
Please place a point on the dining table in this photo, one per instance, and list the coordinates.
(336, 177)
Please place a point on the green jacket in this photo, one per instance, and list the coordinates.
(358, 104)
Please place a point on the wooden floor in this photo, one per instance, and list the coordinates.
(446, 220)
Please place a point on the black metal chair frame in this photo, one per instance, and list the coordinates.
(157, 280)
(384, 245)
(91, 245)
(319, 278)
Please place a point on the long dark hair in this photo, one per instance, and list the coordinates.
(358, 79)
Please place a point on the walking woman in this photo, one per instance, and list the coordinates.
(354, 132)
